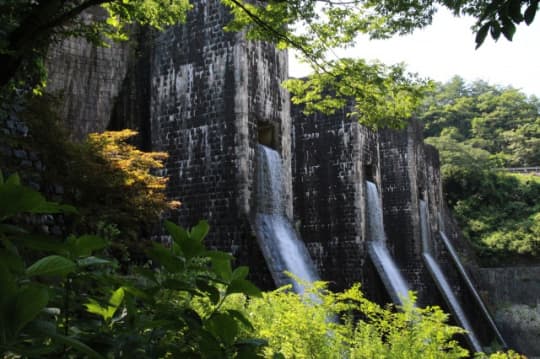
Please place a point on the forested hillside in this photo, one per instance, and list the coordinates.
(481, 130)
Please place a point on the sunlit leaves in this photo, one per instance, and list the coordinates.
(380, 96)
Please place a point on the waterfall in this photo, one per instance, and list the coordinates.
(280, 244)
(470, 286)
(393, 281)
(424, 227)
(442, 283)
(452, 301)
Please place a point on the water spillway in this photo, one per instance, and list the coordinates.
(441, 280)
(385, 265)
(279, 241)
(483, 312)
(451, 300)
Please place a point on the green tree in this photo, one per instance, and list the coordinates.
(28, 27)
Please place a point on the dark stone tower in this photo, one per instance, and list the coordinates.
(214, 97)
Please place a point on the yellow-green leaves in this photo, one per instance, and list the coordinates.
(379, 96)
(107, 312)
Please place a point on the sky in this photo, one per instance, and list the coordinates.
(447, 48)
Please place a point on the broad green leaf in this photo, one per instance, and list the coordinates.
(44, 243)
(192, 248)
(117, 297)
(213, 292)
(51, 266)
(209, 345)
(178, 233)
(245, 287)
(166, 258)
(200, 231)
(508, 29)
(222, 326)
(240, 273)
(218, 255)
(28, 304)
(16, 199)
(241, 318)
(514, 10)
(84, 245)
(222, 268)
(95, 308)
(92, 261)
(481, 34)
(531, 12)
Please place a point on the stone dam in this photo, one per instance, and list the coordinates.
(356, 205)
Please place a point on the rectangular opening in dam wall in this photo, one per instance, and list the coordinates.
(267, 134)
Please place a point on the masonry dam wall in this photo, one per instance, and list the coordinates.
(211, 99)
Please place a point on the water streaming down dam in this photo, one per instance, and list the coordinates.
(442, 282)
(279, 241)
(483, 311)
(392, 279)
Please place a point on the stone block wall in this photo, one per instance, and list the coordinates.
(214, 97)
(330, 153)
(88, 79)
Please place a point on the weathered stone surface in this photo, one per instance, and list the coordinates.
(88, 79)
(208, 98)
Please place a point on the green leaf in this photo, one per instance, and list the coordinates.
(200, 231)
(166, 258)
(514, 10)
(240, 273)
(18, 199)
(212, 291)
(481, 34)
(245, 287)
(508, 29)
(178, 233)
(495, 30)
(177, 284)
(531, 12)
(92, 261)
(218, 255)
(241, 318)
(84, 245)
(222, 268)
(44, 243)
(117, 297)
(51, 266)
(209, 345)
(95, 308)
(222, 326)
(28, 304)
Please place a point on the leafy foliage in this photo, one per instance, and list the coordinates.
(108, 179)
(323, 324)
(478, 128)
(72, 301)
